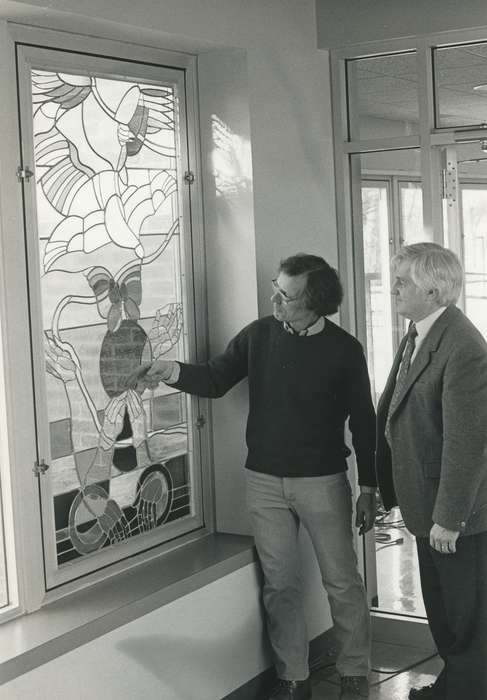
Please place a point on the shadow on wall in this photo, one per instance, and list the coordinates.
(192, 668)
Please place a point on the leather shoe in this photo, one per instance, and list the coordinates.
(426, 692)
(354, 687)
(292, 690)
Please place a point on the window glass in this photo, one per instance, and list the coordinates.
(383, 96)
(411, 212)
(391, 199)
(460, 74)
(376, 233)
(113, 295)
(474, 221)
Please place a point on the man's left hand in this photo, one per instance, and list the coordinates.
(365, 512)
(443, 540)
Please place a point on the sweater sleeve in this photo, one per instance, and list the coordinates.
(361, 416)
(214, 378)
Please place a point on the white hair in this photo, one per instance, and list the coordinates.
(433, 267)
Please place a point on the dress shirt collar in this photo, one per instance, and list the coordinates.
(315, 327)
(423, 327)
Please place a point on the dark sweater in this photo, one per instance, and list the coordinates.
(302, 389)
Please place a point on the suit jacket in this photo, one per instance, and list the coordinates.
(436, 467)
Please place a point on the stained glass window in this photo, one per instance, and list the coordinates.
(111, 279)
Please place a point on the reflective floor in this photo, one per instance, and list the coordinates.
(396, 670)
(398, 585)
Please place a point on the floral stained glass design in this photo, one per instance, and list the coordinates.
(111, 261)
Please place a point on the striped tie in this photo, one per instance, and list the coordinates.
(402, 374)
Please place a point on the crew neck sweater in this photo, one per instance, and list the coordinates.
(302, 390)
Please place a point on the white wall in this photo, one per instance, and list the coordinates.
(199, 647)
(230, 257)
(342, 22)
(259, 63)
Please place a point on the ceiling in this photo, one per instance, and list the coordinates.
(386, 87)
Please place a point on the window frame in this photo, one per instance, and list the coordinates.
(451, 45)
(25, 515)
(350, 89)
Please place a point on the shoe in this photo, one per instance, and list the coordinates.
(292, 690)
(426, 692)
(354, 687)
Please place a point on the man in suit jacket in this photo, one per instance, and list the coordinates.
(431, 460)
(306, 378)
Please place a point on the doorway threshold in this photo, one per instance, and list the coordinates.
(402, 629)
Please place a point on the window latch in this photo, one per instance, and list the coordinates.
(189, 177)
(200, 422)
(24, 173)
(40, 467)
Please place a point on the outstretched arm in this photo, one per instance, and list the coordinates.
(211, 379)
(150, 374)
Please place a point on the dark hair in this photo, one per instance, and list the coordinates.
(323, 291)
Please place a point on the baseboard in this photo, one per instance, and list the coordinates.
(321, 653)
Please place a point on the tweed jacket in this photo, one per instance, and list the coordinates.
(436, 467)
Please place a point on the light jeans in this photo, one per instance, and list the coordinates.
(323, 505)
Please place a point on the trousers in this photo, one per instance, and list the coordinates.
(278, 507)
(454, 590)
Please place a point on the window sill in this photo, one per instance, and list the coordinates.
(32, 640)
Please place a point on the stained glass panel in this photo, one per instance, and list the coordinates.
(111, 257)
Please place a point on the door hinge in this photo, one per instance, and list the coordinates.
(200, 422)
(24, 173)
(449, 184)
(40, 467)
(189, 177)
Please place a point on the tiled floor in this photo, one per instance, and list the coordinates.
(396, 670)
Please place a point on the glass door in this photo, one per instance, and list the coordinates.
(411, 149)
(110, 265)
(391, 215)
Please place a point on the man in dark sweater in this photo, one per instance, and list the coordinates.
(306, 377)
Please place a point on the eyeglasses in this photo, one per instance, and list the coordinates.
(284, 295)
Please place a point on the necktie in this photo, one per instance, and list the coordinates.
(402, 373)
